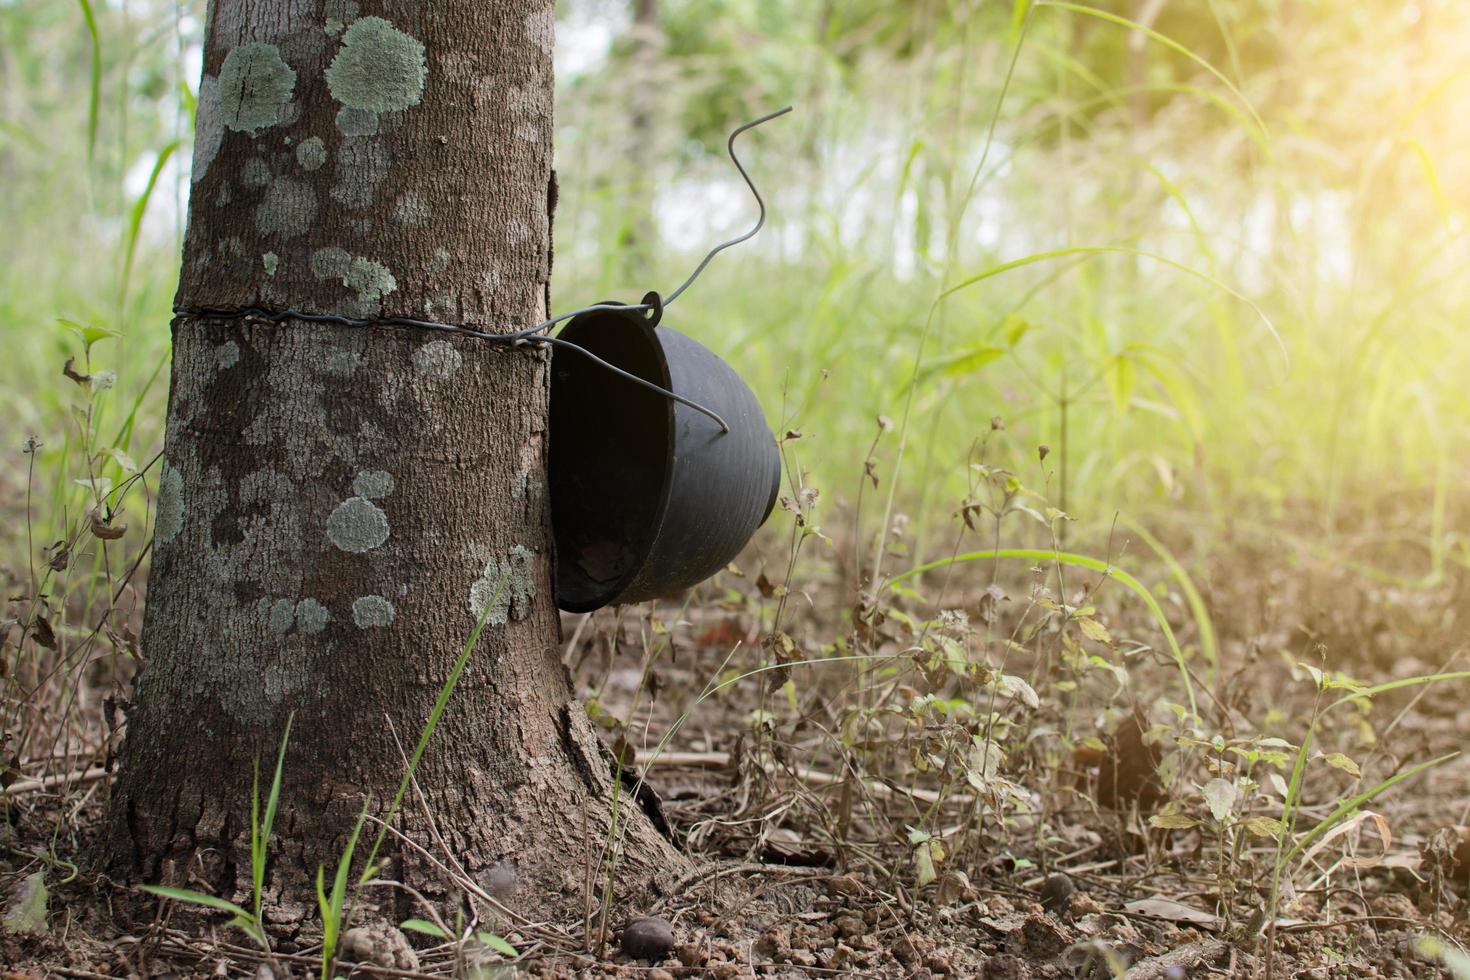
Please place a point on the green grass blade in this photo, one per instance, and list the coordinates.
(195, 898)
(1167, 42)
(1348, 806)
(1057, 253)
(123, 439)
(497, 943)
(1208, 646)
(260, 833)
(434, 715)
(94, 97)
(135, 219)
(257, 852)
(332, 906)
(1368, 692)
(423, 927)
(275, 793)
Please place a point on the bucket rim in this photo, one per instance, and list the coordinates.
(647, 332)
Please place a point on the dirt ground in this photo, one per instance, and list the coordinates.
(832, 831)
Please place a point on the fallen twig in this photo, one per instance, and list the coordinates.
(23, 786)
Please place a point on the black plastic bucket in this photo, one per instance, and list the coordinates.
(650, 496)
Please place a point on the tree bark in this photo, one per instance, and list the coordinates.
(337, 503)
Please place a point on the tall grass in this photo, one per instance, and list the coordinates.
(1155, 389)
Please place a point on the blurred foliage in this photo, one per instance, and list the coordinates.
(1341, 216)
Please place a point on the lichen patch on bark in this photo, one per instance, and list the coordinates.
(282, 615)
(357, 525)
(379, 69)
(339, 13)
(370, 281)
(255, 173)
(287, 210)
(209, 127)
(372, 611)
(357, 122)
(362, 164)
(410, 210)
(311, 616)
(255, 87)
(437, 359)
(373, 484)
(311, 154)
(518, 569)
(170, 519)
(227, 355)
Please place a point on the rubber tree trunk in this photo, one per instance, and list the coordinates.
(338, 503)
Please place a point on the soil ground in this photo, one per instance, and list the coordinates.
(833, 832)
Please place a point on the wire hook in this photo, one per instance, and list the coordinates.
(760, 202)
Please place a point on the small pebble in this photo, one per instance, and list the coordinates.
(1056, 893)
(850, 926)
(648, 938)
(691, 955)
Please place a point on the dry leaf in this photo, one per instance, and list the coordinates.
(102, 529)
(1172, 911)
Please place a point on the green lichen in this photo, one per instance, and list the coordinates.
(283, 615)
(255, 86)
(357, 525)
(311, 154)
(255, 173)
(379, 69)
(331, 263)
(287, 210)
(370, 280)
(439, 262)
(361, 166)
(513, 598)
(356, 122)
(437, 359)
(410, 210)
(373, 484)
(372, 610)
(270, 261)
(227, 355)
(311, 616)
(209, 127)
(170, 519)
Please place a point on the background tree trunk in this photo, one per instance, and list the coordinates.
(639, 238)
(337, 503)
